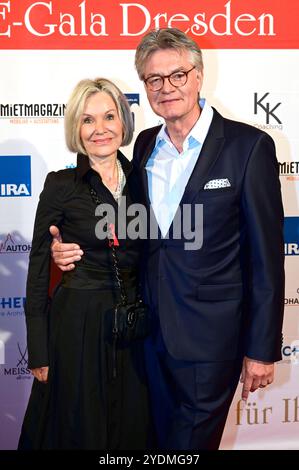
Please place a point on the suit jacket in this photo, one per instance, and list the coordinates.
(227, 297)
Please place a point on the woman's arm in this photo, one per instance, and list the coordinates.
(49, 211)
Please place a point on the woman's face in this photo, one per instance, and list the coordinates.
(101, 129)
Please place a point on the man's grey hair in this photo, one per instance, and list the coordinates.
(166, 38)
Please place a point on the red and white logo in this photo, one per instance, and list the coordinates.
(111, 24)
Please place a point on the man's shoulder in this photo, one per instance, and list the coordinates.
(240, 129)
(144, 143)
(151, 132)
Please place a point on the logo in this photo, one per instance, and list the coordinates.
(133, 98)
(263, 104)
(290, 352)
(291, 236)
(135, 221)
(11, 246)
(292, 301)
(22, 357)
(20, 370)
(108, 25)
(290, 170)
(15, 175)
(12, 306)
(32, 113)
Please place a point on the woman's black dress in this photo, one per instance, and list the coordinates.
(83, 405)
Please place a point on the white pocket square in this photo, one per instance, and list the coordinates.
(218, 183)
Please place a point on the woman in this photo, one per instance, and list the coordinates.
(86, 394)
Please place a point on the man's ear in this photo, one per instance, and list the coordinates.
(199, 76)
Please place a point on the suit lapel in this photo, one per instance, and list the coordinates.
(147, 151)
(209, 154)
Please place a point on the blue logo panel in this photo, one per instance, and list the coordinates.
(132, 98)
(291, 235)
(15, 175)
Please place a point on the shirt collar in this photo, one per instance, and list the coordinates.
(83, 166)
(198, 132)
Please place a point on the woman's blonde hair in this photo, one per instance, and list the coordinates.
(76, 104)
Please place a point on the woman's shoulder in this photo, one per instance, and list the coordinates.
(58, 182)
(61, 178)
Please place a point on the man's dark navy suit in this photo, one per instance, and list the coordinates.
(225, 300)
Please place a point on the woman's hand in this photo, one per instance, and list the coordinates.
(40, 373)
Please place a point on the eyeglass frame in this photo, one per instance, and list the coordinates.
(162, 77)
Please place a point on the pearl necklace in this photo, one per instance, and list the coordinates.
(121, 181)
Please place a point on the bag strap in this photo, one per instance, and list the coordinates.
(111, 244)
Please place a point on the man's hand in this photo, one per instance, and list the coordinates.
(40, 373)
(64, 254)
(255, 374)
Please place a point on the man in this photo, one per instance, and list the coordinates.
(218, 307)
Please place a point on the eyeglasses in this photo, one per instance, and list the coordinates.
(176, 79)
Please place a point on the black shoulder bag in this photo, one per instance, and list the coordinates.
(130, 320)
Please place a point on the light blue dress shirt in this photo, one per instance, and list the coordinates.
(169, 171)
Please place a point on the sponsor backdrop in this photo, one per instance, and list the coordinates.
(251, 74)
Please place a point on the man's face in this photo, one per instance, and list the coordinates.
(170, 102)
